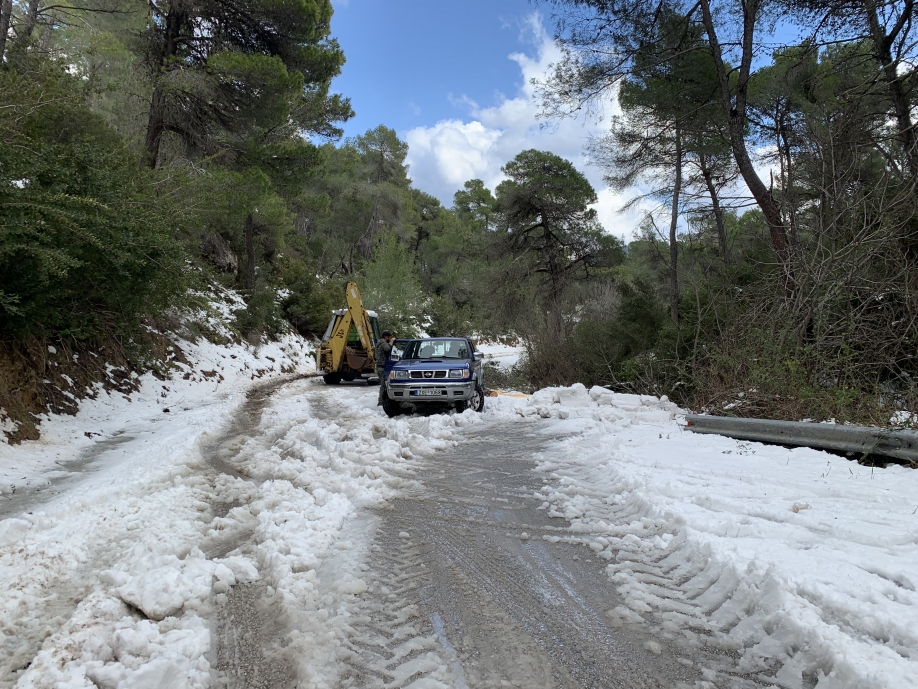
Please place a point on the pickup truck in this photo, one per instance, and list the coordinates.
(434, 371)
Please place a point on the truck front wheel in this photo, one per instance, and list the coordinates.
(475, 402)
(391, 407)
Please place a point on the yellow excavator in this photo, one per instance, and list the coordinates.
(346, 351)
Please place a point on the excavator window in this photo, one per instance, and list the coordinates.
(353, 339)
(330, 329)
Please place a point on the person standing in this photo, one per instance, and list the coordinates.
(381, 355)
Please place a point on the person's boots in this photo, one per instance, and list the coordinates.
(382, 391)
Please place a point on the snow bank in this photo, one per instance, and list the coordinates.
(123, 583)
(803, 563)
(214, 382)
(503, 355)
(137, 462)
(105, 643)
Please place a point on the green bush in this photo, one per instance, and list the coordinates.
(598, 345)
(763, 373)
(308, 302)
(513, 378)
(86, 246)
(393, 289)
(262, 314)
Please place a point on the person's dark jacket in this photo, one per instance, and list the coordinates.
(381, 353)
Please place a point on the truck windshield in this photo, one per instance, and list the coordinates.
(437, 349)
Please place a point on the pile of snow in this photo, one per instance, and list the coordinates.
(123, 582)
(106, 643)
(803, 563)
(904, 419)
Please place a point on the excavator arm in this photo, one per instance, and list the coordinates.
(339, 356)
(360, 317)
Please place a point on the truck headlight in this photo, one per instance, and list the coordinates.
(459, 373)
(398, 374)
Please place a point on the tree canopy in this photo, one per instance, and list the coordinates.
(155, 152)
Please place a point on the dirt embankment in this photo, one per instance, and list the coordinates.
(41, 377)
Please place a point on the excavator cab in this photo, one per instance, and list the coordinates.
(346, 351)
(353, 338)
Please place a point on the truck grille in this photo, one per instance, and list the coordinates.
(428, 375)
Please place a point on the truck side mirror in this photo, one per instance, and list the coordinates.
(394, 357)
(478, 356)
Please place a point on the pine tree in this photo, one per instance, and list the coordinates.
(219, 67)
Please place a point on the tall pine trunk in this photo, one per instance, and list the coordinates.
(735, 110)
(6, 13)
(882, 51)
(28, 28)
(156, 119)
(23, 32)
(250, 252)
(673, 224)
(155, 127)
(708, 176)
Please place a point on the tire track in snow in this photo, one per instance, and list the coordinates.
(471, 573)
(30, 498)
(246, 630)
(312, 585)
(689, 601)
(391, 643)
(309, 478)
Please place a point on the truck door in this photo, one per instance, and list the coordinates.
(398, 349)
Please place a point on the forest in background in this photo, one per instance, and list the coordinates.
(151, 150)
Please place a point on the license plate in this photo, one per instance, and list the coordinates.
(429, 393)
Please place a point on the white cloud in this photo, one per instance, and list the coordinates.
(456, 150)
(447, 154)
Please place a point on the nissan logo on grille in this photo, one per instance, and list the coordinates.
(428, 374)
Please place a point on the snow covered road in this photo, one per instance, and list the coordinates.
(496, 583)
(575, 539)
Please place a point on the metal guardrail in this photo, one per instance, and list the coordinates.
(858, 439)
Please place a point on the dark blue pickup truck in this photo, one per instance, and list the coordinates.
(435, 370)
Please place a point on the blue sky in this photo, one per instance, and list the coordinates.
(453, 79)
(412, 62)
